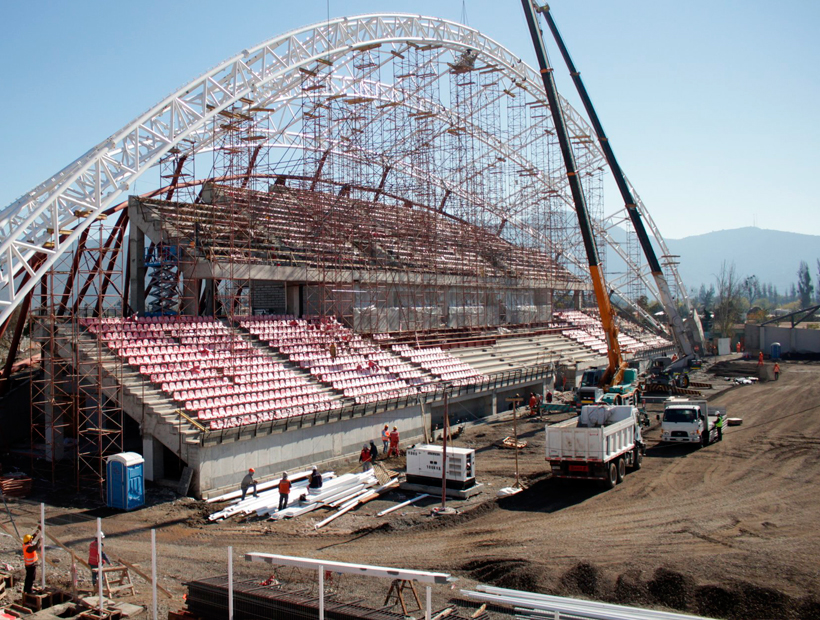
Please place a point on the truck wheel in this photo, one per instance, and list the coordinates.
(612, 476)
(621, 469)
(683, 381)
(637, 459)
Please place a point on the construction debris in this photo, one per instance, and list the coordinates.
(509, 442)
(344, 492)
(402, 505)
(15, 485)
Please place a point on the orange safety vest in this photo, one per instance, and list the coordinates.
(30, 555)
(284, 487)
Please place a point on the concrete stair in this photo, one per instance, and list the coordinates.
(141, 400)
(514, 353)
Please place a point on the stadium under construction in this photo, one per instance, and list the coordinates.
(350, 220)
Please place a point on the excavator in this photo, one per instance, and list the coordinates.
(616, 383)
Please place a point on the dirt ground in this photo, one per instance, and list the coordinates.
(727, 531)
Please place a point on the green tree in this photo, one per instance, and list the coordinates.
(805, 289)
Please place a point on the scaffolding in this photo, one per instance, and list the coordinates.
(76, 393)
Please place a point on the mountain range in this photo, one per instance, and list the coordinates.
(772, 255)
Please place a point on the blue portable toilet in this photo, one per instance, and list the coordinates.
(126, 481)
(775, 351)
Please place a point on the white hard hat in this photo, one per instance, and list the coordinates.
(102, 535)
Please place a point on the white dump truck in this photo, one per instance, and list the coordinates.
(599, 444)
(692, 421)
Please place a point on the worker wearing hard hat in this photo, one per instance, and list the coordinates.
(247, 482)
(30, 557)
(94, 557)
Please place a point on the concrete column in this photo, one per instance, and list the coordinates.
(54, 430)
(292, 299)
(190, 296)
(136, 244)
(576, 300)
(152, 453)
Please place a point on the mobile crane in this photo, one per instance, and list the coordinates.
(610, 379)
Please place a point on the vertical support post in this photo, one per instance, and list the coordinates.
(100, 573)
(321, 593)
(154, 574)
(230, 583)
(515, 437)
(42, 542)
(429, 608)
(444, 451)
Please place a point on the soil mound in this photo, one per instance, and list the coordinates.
(671, 589)
(630, 589)
(583, 578)
(504, 573)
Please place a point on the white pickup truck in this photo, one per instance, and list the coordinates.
(692, 421)
(599, 444)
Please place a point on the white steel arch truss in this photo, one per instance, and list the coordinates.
(39, 226)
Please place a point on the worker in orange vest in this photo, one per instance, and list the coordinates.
(94, 556)
(385, 438)
(760, 359)
(394, 442)
(776, 370)
(30, 557)
(284, 491)
(737, 346)
(365, 458)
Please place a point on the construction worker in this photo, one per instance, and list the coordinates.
(776, 370)
(385, 438)
(394, 442)
(533, 404)
(719, 426)
(374, 451)
(760, 359)
(247, 482)
(737, 346)
(94, 559)
(30, 557)
(365, 458)
(315, 481)
(284, 491)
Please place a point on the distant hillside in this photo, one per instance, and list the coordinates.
(771, 255)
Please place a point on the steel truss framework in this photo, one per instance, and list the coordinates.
(267, 83)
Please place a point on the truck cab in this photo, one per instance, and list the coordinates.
(691, 421)
(590, 392)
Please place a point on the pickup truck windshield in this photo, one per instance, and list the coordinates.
(679, 415)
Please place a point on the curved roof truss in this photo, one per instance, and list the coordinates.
(267, 80)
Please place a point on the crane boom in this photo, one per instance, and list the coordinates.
(615, 359)
(674, 319)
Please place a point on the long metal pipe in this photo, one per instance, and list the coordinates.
(571, 607)
(672, 314)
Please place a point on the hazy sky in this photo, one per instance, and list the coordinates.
(711, 106)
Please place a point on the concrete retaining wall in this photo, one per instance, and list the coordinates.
(222, 466)
(792, 340)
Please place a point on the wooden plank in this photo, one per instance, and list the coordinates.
(185, 481)
(140, 573)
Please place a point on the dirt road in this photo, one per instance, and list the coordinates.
(729, 530)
